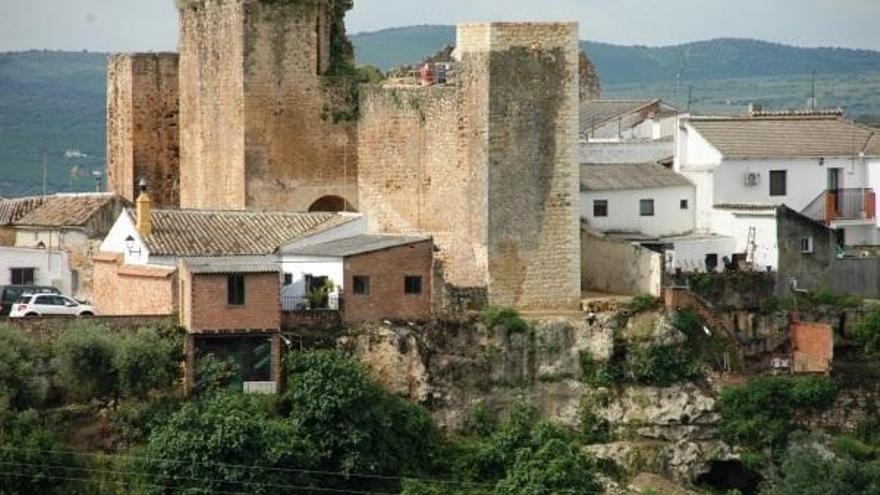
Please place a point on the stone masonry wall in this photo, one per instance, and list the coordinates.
(414, 175)
(533, 226)
(212, 105)
(261, 128)
(142, 125)
(126, 290)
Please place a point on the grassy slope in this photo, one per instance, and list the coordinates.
(54, 101)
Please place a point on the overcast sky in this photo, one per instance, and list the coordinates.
(127, 25)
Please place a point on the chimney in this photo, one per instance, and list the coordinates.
(143, 212)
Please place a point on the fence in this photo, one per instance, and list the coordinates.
(332, 302)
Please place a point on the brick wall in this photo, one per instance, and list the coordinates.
(812, 347)
(142, 125)
(260, 128)
(121, 290)
(208, 309)
(387, 269)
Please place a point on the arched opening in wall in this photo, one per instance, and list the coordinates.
(330, 203)
(730, 475)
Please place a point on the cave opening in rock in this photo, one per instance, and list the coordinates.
(730, 475)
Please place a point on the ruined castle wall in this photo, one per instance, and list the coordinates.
(300, 132)
(415, 175)
(212, 140)
(533, 239)
(261, 128)
(142, 125)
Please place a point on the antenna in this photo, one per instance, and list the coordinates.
(45, 167)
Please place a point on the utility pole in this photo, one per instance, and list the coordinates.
(690, 97)
(813, 92)
(45, 168)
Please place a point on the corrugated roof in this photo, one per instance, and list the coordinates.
(66, 210)
(15, 208)
(627, 151)
(619, 176)
(809, 137)
(358, 245)
(232, 233)
(236, 264)
(595, 113)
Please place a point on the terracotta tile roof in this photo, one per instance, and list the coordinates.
(619, 176)
(232, 233)
(358, 245)
(66, 210)
(808, 137)
(15, 208)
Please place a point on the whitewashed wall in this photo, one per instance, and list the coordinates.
(115, 241)
(690, 253)
(624, 214)
(52, 267)
(316, 266)
(736, 224)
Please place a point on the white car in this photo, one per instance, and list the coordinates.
(49, 305)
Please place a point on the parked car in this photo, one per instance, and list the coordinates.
(10, 293)
(49, 305)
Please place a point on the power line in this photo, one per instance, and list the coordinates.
(244, 466)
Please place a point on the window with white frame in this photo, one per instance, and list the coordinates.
(807, 244)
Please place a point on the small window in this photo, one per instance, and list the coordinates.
(361, 285)
(778, 183)
(600, 208)
(412, 285)
(683, 204)
(235, 289)
(807, 245)
(22, 276)
(646, 207)
(74, 280)
(288, 279)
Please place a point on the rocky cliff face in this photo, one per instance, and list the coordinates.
(452, 367)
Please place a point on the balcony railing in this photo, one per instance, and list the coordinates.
(843, 204)
(332, 302)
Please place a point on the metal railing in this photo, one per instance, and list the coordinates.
(843, 204)
(332, 302)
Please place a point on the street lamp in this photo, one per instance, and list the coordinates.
(129, 245)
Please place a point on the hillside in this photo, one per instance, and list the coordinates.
(51, 102)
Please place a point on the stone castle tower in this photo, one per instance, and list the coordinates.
(142, 128)
(261, 123)
(487, 164)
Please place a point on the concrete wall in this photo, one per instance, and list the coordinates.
(260, 128)
(387, 269)
(811, 270)
(142, 126)
(619, 267)
(205, 307)
(126, 290)
(669, 218)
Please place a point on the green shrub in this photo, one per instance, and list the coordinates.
(30, 454)
(599, 373)
(808, 472)
(214, 375)
(855, 448)
(758, 415)
(504, 317)
(136, 420)
(868, 333)
(19, 387)
(642, 303)
(85, 354)
(146, 361)
(661, 366)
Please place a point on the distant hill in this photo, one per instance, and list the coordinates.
(55, 101)
(714, 59)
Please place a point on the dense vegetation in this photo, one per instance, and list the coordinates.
(333, 430)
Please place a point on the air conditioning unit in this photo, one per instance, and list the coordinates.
(752, 179)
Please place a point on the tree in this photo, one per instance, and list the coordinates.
(146, 361)
(19, 388)
(552, 467)
(224, 442)
(85, 355)
(808, 472)
(30, 461)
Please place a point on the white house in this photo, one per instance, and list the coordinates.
(819, 164)
(645, 200)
